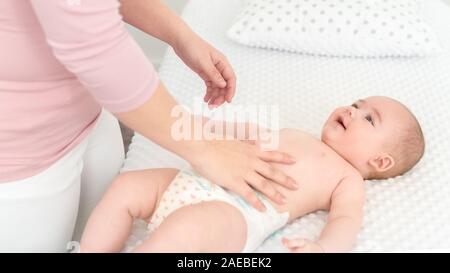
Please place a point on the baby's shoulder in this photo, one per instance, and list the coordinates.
(352, 184)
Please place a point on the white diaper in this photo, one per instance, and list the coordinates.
(188, 188)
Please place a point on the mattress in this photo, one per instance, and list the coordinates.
(409, 213)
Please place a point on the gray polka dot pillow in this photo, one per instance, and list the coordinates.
(369, 28)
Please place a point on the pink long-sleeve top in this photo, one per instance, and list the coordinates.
(60, 61)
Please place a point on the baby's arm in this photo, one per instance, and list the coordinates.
(344, 220)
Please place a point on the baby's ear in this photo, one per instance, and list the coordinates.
(382, 163)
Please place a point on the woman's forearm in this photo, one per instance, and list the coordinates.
(156, 19)
(154, 120)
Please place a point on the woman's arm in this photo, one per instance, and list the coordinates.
(157, 20)
(90, 40)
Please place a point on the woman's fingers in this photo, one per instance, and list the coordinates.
(219, 100)
(250, 196)
(213, 75)
(220, 79)
(246, 172)
(214, 94)
(208, 94)
(275, 175)
(228, 74)
(265, 186)
(277, 157)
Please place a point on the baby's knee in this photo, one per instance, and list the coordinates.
(136, 192)
(123, 188)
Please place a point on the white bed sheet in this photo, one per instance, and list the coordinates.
(409, 213)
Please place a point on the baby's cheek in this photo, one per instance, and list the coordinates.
(365, 143)
(356, 139)
(331, 135)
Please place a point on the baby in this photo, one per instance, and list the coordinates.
(375, 138)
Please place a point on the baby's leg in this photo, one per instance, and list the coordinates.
(212, 226)
(132, 195)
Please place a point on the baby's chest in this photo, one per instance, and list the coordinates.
(319, 172)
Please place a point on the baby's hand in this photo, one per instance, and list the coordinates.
(299, 245)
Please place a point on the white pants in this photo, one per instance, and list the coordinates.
(45, 212)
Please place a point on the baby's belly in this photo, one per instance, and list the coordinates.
(314, 192)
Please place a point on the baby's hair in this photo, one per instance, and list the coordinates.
(408, 148)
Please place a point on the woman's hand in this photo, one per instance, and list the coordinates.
(156, 19)
(211, 65)
(243, 168)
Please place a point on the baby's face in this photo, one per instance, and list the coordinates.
(365, 129)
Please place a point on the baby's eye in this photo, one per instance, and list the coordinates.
(369, 119)
(355, 105)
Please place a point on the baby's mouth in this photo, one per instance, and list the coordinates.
(340, 120)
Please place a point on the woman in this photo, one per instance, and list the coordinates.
(60, 62)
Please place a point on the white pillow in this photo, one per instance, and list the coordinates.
(362, 28)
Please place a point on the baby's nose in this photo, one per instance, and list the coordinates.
(351, 111)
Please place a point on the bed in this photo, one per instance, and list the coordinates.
(406, 214)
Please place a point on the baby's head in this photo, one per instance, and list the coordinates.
(379, 136)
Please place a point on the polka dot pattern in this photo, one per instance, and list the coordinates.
(187, 188)
(371, 28)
